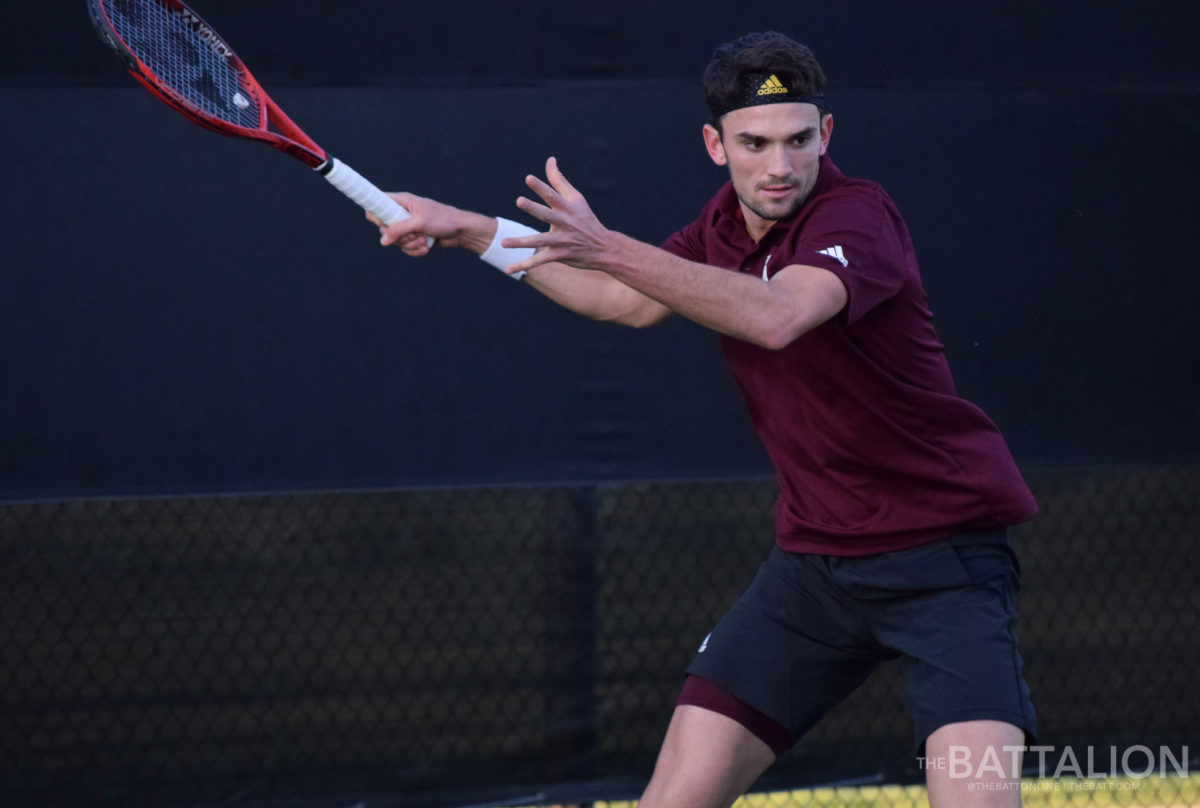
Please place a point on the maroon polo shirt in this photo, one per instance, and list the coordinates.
(873, 448)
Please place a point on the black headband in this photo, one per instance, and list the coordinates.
(755, 89)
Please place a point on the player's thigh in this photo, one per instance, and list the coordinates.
(707, 761)
(975, 764)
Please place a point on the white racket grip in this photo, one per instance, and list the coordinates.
(362, 191)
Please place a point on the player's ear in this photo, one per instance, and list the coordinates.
(712, 142)
(826, 131)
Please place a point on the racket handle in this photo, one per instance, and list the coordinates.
(360, 189)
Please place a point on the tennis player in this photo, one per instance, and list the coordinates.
(895, 495)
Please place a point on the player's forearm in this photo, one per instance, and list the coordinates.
(738, 305)
(595, 295)
(592, 294)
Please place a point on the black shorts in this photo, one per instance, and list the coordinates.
(811, 628)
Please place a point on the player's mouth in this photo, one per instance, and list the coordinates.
(777, 191)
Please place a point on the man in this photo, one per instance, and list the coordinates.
(895, 494)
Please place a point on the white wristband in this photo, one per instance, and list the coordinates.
(503, 258)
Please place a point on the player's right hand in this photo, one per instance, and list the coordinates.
(428, 219)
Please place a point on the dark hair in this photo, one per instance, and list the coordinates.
(769, 52)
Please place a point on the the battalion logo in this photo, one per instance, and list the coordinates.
(772, 86)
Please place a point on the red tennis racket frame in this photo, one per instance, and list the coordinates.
(292, 139)
(289, 140)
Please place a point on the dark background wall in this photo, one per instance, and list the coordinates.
(1069, 44)
(185, 313)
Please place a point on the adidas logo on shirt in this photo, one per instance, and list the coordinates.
(772, 86)
(835, 252)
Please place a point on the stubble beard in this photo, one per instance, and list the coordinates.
(774, 212)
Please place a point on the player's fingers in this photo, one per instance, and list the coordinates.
(542, 212)
(399, 230)
(543, 190)
(536, 260)
(536, 241)
(416, 247)
(558, 180)
(407, 201)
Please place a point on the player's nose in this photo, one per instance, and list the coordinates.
(778, 165)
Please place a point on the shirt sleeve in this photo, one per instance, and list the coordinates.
(854, 237)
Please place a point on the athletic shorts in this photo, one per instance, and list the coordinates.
(811, 628)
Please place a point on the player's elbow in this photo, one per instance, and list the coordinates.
(643, 313)
(777, 336)
(645, 319)
(631, 319)
(774, 342)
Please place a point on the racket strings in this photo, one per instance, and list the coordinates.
(179, 56)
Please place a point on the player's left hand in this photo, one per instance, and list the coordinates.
(575, 238)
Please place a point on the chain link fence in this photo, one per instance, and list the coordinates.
(516, 645)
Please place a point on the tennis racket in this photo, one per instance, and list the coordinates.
(181, 60)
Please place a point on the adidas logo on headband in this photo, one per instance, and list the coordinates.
(772, 86)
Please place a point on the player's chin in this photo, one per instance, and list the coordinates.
(776, 209)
